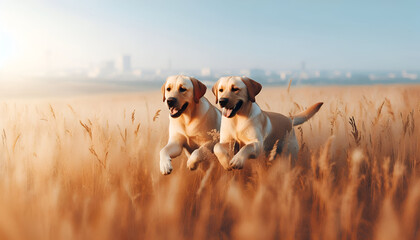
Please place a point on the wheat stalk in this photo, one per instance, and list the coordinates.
(355, 132)
(93, 152)
(302, 143)
(205, 178)
(133, 117)
(52, 111)
(136, 131)
(156, 116)
(389, 107)
(123, 136)
(71, 109)
(15, 142)
(87, 128)
(378, 114)
(288, 86)
(273, 152)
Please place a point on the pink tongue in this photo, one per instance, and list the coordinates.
(173, 111)
(226, 112)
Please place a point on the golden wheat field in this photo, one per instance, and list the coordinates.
(88, 168)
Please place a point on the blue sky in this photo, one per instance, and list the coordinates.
(353, 35)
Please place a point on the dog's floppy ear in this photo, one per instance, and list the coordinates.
(199, 89)
(163, 91)
(252, 87)
(214, 90)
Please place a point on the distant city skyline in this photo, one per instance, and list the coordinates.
(120, 70)
(44, 36)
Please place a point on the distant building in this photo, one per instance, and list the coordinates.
(245, 72)
(108, 67)
(303, 76)
(257, 73)
(123, 63)
(348, 75)
(283, 75)
(411, 76)
(372, 77)
(104, 69)
(337, 73)
(205, 72)
(137, 73)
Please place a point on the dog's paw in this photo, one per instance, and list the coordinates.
(194, 160)
(165, 166)
(222, 156)
(236, 162)
(192, 165)
(224, 161)
(225, 164)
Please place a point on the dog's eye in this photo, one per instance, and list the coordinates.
(181, 89)
(221, 90)
(168, 89)
(234, 89)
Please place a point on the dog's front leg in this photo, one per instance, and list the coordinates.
(171, 150)
(200, 154)
(251, 150)
(222, 150)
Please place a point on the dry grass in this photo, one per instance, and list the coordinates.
(86, 169)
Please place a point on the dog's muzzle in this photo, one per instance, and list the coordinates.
(223, 102)
(231, 112)
(171, 102)
(174, 110)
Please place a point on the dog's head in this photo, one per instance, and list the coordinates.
(233, 93)
(180, 91)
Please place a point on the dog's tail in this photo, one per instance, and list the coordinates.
(305, 115)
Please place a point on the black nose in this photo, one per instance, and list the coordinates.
(171, 101)
(223, 102)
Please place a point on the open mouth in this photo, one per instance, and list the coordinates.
(230, 112)
(177, 112)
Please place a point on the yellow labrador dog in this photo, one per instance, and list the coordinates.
(250, 128)
(192, 117)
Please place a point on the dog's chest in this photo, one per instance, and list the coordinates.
(248, 130)
(194, 137)
(193, 143)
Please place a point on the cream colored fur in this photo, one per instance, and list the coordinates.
(190, 130)
(246, 125)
